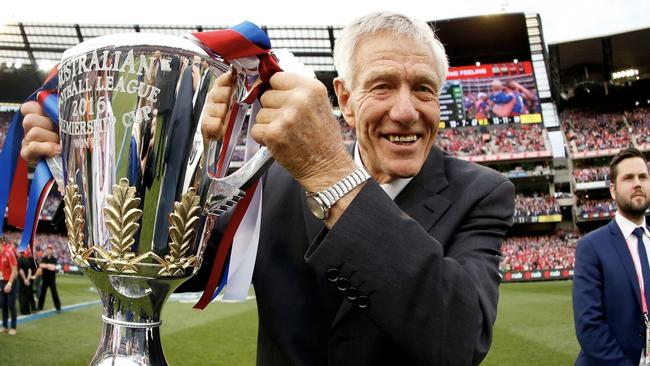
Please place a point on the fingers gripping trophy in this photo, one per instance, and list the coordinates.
(140, 191)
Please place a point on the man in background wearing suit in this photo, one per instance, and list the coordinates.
(611, 279)
(400, 269)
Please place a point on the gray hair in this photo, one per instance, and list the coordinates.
(400, 26)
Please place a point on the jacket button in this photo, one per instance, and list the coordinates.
(342, 283)
(333, 274)
(363, 301)
(352, 293)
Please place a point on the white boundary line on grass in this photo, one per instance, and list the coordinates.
(191, 297)
(47, 313)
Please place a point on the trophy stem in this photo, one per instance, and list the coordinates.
(129, 343)
(131, 318)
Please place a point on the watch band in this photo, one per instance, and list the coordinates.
(328, 197)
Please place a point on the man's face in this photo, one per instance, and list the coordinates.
(631, 191)
(393, 105)
(50, 251)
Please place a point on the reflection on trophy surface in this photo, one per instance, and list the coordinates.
(134, 178)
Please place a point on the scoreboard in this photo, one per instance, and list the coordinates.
(451, 102)
(491, 94)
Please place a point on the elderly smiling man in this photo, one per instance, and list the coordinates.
(399, 269)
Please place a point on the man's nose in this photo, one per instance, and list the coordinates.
(403, 111)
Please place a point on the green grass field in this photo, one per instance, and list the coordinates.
(534, 327)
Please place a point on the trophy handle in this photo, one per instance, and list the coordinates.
(226, 190)
(55, 164)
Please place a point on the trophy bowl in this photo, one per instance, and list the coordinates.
(139, 200)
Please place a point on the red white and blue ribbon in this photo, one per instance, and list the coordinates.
(23, 211)
(233, 263)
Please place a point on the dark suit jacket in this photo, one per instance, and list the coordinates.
(606, 300)
(407, 282)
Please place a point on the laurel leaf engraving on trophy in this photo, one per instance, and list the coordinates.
(74, 222)
(122, 215)
(182, 230)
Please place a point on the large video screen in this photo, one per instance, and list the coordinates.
(490, 94)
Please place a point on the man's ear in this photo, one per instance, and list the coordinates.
(612, 191)
(343, 97)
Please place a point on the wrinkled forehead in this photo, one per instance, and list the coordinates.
(383, 44)
(388, 39)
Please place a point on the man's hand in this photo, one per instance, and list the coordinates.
(297, 125)
(7, 288)
(213, 122)
(40, 136)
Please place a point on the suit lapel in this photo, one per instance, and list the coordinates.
(620, 245)
(420, 199)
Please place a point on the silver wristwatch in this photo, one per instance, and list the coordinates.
(319, 203)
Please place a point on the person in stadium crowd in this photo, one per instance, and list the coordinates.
(48, 266)
(8, 287)
(25, 292)
(37, 276)
(612, 274)
(401, 269)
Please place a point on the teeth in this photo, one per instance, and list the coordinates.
(402, 138)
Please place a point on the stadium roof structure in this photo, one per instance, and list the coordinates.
(28, 50)
(614, 65)
(41, 44)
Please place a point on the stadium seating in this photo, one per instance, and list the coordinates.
(503, 142)
(526, 253)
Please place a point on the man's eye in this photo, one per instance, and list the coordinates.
(425, 89)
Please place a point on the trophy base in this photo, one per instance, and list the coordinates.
(131, 318)
(129, 344)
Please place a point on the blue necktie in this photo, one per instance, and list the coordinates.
(643, 258)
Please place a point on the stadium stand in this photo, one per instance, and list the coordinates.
(557, 161)
(503, 142)
(527, 253)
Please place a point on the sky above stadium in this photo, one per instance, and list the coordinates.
(562, 21)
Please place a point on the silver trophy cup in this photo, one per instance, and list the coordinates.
(140, 191)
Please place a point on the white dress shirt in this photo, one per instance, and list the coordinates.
(392, 188)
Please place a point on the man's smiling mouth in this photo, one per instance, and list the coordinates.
(402, 139)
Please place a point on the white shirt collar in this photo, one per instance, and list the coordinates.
(392, 188)
(627, 226)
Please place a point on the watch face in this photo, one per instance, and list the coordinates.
(315, 208)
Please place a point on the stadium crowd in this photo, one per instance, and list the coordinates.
(639, 121)
(59, 243)
(536, 205)
(475, 141)
(591, 131)
(588, 207)
(538, 171)
(526, 253)
(591, 174)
